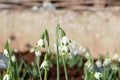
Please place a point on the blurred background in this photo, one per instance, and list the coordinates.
(92, 23)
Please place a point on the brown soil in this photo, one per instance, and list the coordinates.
(74, 73)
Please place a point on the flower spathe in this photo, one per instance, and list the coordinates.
(41, 43)
(97, 75)
(45, 65)
(6, 77)
(5, 52)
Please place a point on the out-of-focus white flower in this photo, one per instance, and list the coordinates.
(37, 52)
(15, 50)
(114, 67)
(6, 77)
(55, 48)
(106, 62)
(87, 55)
(98, 63)
(45, 65)
(74, 44)
(89, 65)
(48, 5)
(115, 57)
(64, 50)
(97, 75)
(119, 59)
(35, 8)
(13, 58)
(82, 49)
(41, 43)
(5, 52)
(32, 50)
(64, 41)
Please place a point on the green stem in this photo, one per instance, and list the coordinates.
(64, 64)
(38, 59)
(57, 52)
(45, 75)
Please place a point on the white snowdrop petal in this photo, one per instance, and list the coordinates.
(64, 50)
(64, 41)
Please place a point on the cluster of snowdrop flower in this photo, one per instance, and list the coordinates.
(64, 45)
(5, 52)
(45, 5)
(41, 43)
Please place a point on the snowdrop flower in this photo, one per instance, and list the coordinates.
(6, 77)
(64, 41)
(106, 62)
(89, 65)
(5, 52)
(87, 55)
(64, 50)
(98, 63)
(37, 52)
(82, 49)
(97, 75)
(41, 43)
(115, 57)
(45, 65)
(13, 58)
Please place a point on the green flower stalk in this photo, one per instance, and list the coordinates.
(45, 64)
(64, 50)
(57, 50)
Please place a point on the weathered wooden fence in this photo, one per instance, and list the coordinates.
(63, 4)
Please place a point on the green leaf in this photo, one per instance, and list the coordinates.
(6, 46)
(47, 36)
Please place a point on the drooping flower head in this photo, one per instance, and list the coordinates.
(37, 52)
(40, 43)
(5, 52)
(97, 75)
(64, 50)
(6, 77)
(45, 65)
